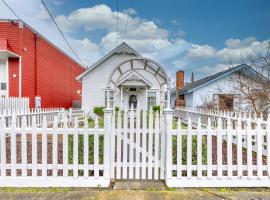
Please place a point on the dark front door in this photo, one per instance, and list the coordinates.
(133, 101)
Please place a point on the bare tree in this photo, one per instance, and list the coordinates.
(253, 83)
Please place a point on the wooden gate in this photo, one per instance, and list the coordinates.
(137, 145)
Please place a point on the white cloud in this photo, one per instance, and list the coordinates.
(102, 17)
(174, 22)
(130, 11)
(200, 52)
(237, 48)
(57, 2)
(145, 36)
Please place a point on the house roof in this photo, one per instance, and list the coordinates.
(201, 82)
(123, 48)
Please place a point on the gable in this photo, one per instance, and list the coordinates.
(122, 49)
(134, 79)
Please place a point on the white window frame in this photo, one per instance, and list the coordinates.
(149, 102)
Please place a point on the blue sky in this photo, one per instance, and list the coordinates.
(194, 35)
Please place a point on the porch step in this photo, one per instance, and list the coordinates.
(139, 185)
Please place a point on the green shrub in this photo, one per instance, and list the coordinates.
(116, 109)
(99, 111)
(156, 108)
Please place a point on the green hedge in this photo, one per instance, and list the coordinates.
(156, 108)
(99, 111)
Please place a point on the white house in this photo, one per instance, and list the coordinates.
(122, 78)
(219, 90)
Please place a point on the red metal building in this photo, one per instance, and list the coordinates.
(31, 66)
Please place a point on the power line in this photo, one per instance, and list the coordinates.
(130, 5)
(10, 9)
(117, 22)
(62, 34)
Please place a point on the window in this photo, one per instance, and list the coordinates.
(226, 102)
(111, 98)
(3, 86)
(151, 99)
(132, 89)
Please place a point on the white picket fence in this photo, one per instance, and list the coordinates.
(138, 147)
(214, 115)
(205, 163)
(211, 118)
(58, 156)
(13, 104)
(133, 145)
(29, 114)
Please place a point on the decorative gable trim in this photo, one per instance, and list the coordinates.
(134, 77)
(122, 49)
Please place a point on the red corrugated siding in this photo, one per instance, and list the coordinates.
(46, 71)
(13, 68)
(28, 65)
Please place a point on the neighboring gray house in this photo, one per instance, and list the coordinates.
(218, 90)
(123, 77)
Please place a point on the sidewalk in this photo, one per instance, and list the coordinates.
(104, 194)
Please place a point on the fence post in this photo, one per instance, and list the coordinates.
(107, 146)
(168, 121)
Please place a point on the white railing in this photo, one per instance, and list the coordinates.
(29, 114)
(203, 159)
(76, 113)
(57, 156)
(13, 104)
(213, 115)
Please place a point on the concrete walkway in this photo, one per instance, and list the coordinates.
(110, 194)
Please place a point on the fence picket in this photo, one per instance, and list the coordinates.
(249, 149)
(65, 146)
(209, 149)
(239, 149)
(229, 148)
(157, 163)
(150, 145)
(219, 148)
(189, 149)
(55, 147)
(131, 144)
(119, 146)
(13, 147)
(3, 147)
(138, 140)
(199, 150)
(85, 149)
(162, 144)
(179, 149)
(144, 126)
(125, 159)
(44, 148)
(24, 147)
(259, 148)
(96, 149)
